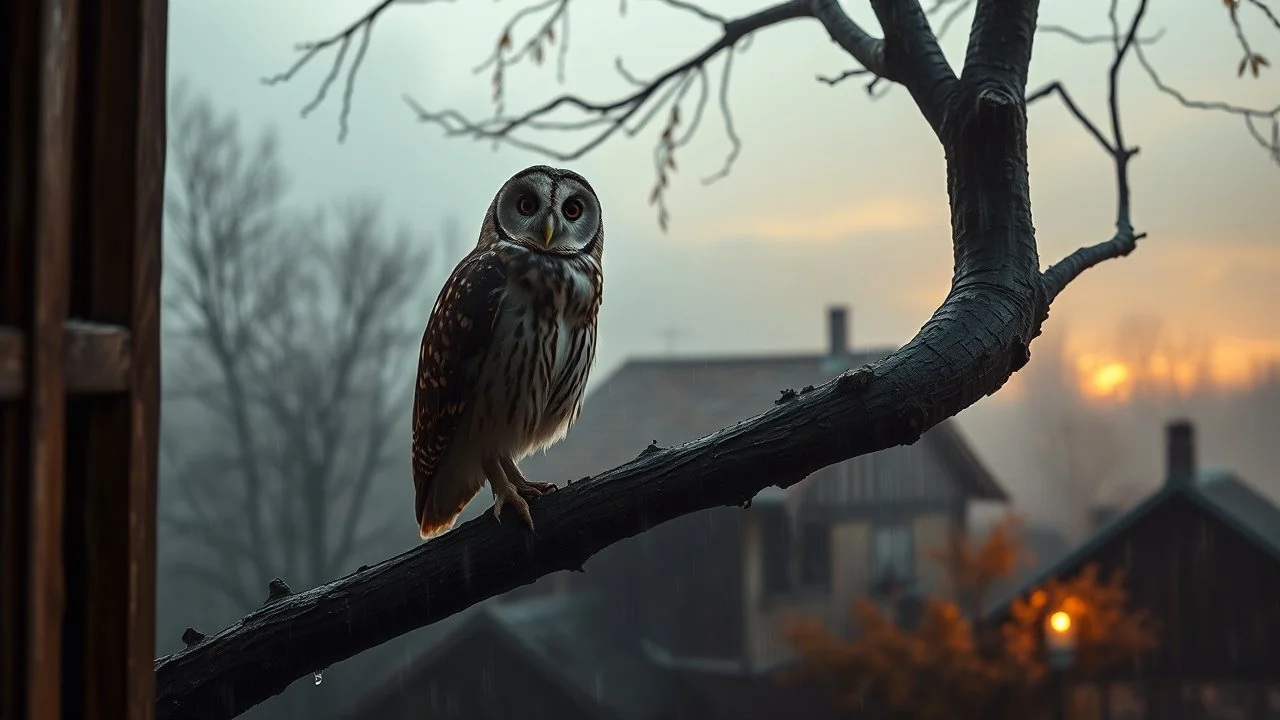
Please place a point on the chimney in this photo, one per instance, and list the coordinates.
(1180, 440)
(838, 330)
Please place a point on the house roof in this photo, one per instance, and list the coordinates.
(564, 635)
(1222, 495)
(674, 400)
(1248, 509)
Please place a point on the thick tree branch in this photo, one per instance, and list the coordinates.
(1000, 44)
(970, 347)
(908, 55)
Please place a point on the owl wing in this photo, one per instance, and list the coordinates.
(454, 345)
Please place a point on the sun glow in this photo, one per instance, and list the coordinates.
(1229, 365)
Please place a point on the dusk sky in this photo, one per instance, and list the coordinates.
(835, 198)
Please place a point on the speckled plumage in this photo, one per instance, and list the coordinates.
(508, 348)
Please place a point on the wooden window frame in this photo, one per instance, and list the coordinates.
(82, 101)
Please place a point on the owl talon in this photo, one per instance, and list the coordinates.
(527, 489)
(511, 495)
(534, 489)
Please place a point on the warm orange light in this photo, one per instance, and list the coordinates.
(1060, 622)
(1109, 379)
(1230, 363)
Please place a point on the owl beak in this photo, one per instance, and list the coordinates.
(549, 230)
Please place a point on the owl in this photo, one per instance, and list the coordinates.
(507, 350)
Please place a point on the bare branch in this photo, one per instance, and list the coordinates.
(836, 79)
(697, 10)
(850, 36)
(1095, 39)
(1056, 87)
(605, 119)
(342, 39)
(1125, 240)
(1251, 116)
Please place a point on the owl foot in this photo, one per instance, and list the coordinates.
(527, 489)
(504, 493)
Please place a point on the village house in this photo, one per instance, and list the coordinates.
(1201, 556)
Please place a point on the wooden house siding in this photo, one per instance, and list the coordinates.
(679, 584)
(1215, 595)
(932, 532)
(908, 477)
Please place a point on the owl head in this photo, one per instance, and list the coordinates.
(548, 210)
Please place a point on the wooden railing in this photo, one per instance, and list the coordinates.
(82, 104)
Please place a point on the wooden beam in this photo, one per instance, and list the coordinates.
(19, 117)
(119, 282)
(95, 359)
(59, 24)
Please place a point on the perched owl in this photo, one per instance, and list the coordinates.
(506, 353)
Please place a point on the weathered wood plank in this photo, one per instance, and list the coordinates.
(13, 350)
(96, 359)
(19, 102)
(121, 284)
(54, 192)
(150, 127)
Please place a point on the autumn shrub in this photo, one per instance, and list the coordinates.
(950, 664)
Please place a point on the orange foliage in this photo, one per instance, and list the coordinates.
(945, 667)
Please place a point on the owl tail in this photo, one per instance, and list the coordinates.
(438, 509)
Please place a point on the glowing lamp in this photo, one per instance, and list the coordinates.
(1060, 638)
(1059, 622)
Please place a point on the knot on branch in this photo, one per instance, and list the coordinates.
(786, 396)
(855, 381)
(192, 636)
(996, 110)
(277, 590)
(649, 449)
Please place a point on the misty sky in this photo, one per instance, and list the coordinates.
(835, 198)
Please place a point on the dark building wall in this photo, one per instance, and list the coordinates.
(1215, 595)
(679, 585)
(480, 679)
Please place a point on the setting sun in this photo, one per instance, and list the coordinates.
(1109, 380)
(1228, 364)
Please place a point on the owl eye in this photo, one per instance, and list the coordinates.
(526, 205)
(572, 209)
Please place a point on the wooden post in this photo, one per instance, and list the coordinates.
(83, 108)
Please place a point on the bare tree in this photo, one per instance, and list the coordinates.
(293, 339)
(974, 342)
(1077, 446)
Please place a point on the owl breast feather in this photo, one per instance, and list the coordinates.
(533, 380)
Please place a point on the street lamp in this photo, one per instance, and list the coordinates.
(1060, 641)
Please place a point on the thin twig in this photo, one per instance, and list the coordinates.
(342, 39)
(1123, 242)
